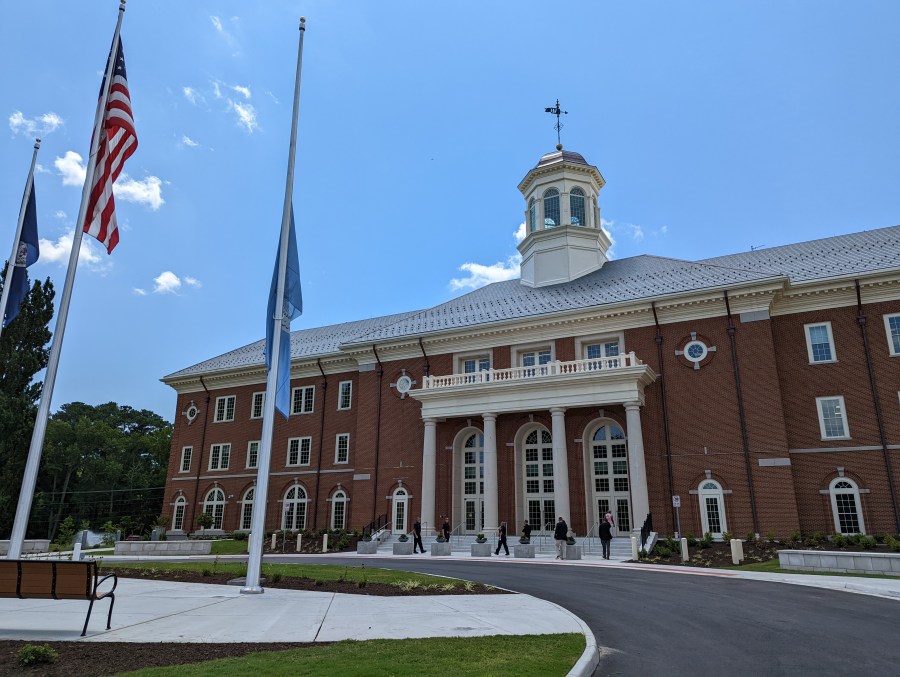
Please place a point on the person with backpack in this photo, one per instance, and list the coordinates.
(560, 535)
(605, 531)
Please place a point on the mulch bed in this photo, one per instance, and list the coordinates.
(110, 658)
(718, 555)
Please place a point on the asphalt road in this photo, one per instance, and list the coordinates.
(662, 623)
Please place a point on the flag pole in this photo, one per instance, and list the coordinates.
(261, 492)
(10, 265)
(26, 493)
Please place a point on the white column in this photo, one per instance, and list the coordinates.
(560, 464)
(429, 465)
(637, 469)
(491, 514)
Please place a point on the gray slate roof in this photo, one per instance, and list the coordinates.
(618, 281)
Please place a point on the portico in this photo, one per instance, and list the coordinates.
(544, 457)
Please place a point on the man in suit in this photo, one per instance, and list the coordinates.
(417, 536)
(560, 534)
(605, 531)
(502, 539)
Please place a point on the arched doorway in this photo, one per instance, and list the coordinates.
(293, 516)
(399, 511)
(247, 510)
(845, 507)
(473, 483)
(712, 509)
(538, 482)
(339, 510)
(214, 504)
(607, 463)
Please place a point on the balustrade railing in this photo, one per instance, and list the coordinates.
(557, 368)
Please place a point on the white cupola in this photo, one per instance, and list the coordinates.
(563, 240)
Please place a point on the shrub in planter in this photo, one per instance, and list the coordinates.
(440, 539)
(36, 654)
(839, 541)
(770, 537)
(707, 540)
(796, 538)
(750, 537)
(663, 551)
(525, 540)
(570, 538)
(403, 538)
(239, 535)
(481, 538)
(868, 543)
(691, 539)
(892, 543)
(727, 536)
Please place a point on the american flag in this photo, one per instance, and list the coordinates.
(117, 142)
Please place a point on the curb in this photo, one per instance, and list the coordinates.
(590, 657)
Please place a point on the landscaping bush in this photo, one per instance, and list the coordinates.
(403, 538)
(691, 539)
(796, 538)
(868, 543)
(750, 537)
(36, 654)
(239, 535)
(727, 536)
(839, 540)
(663, 551)
(707, 541)
(892, 543)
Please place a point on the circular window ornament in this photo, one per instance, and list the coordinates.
(695, 351)
(191, 412)
(404, 384)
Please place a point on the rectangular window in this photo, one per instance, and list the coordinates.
(604, 352)
(219, 456)
(224, 409)
(819, 343)
(342, 448)
(892, 327)
(345, 391)
(186, 454)
(253, 454)
(299, 449)
(303, 399)
(256, 407)
(832, 418)
(178, 517)
(473, 365)
(337, 519)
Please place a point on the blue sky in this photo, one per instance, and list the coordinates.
(718, 126)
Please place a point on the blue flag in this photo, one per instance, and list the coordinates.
(27, 252)
(293, 306)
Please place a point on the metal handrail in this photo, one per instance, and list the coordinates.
(589, 538)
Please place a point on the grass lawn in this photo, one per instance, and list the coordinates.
(523, 656)
(229, 547)
(772, 567)
(320, 572)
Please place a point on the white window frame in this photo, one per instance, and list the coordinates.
(223, 454)
(819, 401)
(349, 387)
(459, 359)
(519, 351)
(719, 494)
(887, 329)
(400, 496)
(209, 507)
(258, 443)
(809, 348)
(337, 448)
(261, 396)
(582, 343)
(187, 454)
(340, 496)
(223, 402)
(854, 490)
(303, 399)
(296, 488)
(245, 504)
(299, 462)
(178, 521)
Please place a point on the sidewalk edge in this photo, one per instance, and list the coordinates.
(590, 657)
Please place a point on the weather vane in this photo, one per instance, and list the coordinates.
(557, 111)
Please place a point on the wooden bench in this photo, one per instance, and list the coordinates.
(62, 579)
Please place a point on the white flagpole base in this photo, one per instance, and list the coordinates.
(252, 590)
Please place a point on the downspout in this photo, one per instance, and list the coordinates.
(321, 442)
(425, 355)
(379, 373)
(665, 409)
(861, 320)
(200, 457)
(740, 400)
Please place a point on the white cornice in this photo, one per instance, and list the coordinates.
(560, 167)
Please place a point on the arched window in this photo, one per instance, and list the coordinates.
(247, 510)
(576, 206)
(845, 507)
(540, 504)
(609, 456)
(178, 513)
(214, 504)
(294, 517)
(339, 510)
(473, 484)
(712, 508)
(532, 215)
(398, 518)
(551, 208)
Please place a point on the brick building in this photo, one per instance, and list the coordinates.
(762, 389)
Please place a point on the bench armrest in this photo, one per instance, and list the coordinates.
(97, 585)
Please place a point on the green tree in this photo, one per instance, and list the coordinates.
(24, 348)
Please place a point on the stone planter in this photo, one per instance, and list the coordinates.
(403, 548)
(481, 549)
(866, 562)
(30, 545)
(572, 552)
(367, 547)
(524, 550)
(440, 549)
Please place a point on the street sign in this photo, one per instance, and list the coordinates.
(676, 501)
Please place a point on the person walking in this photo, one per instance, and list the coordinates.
(605, 531)
(445, 528)
(526, 530)
(417, 536)
(609, 519)
(560, 534)
(502, 539)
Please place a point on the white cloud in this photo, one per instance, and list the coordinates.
(58, 252)
(147, 191)
(192, 95)
(246, 115)
(220, 29)
(60, 214)
(40, 169)
(519, 233)
(188, 141)
(244, 91)
(42, 124)
(192, 281)
(637, 233)
(480, 275)
(139, 292)
(663, 230)
(166, 282)
(217, 92)
(217, 23)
